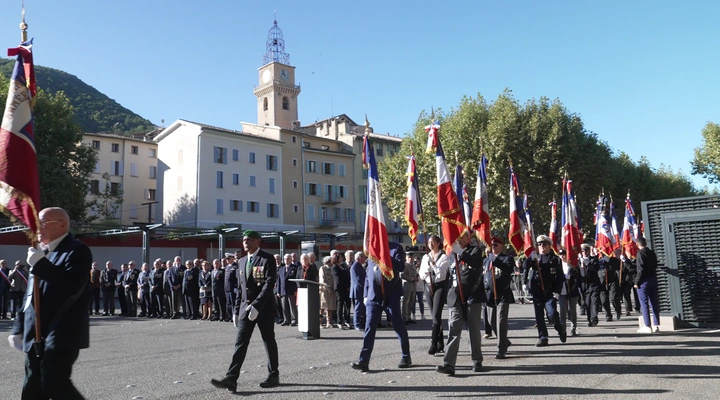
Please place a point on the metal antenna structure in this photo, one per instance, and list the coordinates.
(275, 47)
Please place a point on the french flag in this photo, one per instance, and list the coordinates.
(481, 209)
(529, 229)
(615, 238)
(571, 238)
(630, 228)
(413, 208)
(461, 191)
(376, 243)
(433, 139)
(451, 215)
(554, 228)
(603, 241)
(517, 227)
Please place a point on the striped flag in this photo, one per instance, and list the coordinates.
(630, 228)
(615, 234)
(554, 227)
(413, 208)
(571, 238)
(481, 208)
(517, 226)
(529, 239)
(433, 139)
(376, 243)
(603, 241)
(461, 191)
(19, 178)
(365, 152)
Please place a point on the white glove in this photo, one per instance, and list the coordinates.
(34, 255)
(457, 249)
(491, 257)
(623, 258)
(252, 313)
(525, 289)
(16, 342)
(533, 256)
(235, 320)
(365, 301)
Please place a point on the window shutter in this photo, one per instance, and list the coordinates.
(332, 169)
(122, 168)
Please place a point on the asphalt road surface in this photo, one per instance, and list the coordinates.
(133, 358)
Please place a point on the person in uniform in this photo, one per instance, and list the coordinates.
(108, 278)
(465, 299)
(143, 284)
(191, 290)
(589, 267)
(629, 269)
(120, 284)
(434, 269)
(157, 289)
(357, 290)
(544, 276)
(62, 264)
(498, 291)
(218, 290)
(254, 306)
(569, 295)
(610, 285)
(131, 289)
(231, 285)
(384, 295)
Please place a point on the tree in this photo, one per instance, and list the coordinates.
(107, 201)
(64, 164)
(706, 158)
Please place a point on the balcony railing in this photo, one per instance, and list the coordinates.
(331, 199)
(327, 223)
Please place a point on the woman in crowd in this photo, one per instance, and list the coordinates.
(434, 271)
(205, 282)
(327, 295)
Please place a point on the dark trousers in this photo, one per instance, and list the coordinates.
(500, 322)
(374, 311)
(95, 298)
(436, 303)
(611, 297)
(592, 299)
(289, 305)
(359, 314)
(219, 311)
(489, 317)
(192, 305)
(229, 304)
(178, 303)
(157, 301)
(343, 307)
(266, 323)
(146, 303)
(123, 300)
(278, 308)
(4, 302)
(628, 291)
(547, 305)
(131, 300)
(109, 302)
(50, 375)
(648, 293)
(16, 298)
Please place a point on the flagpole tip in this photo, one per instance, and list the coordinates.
(23, 26)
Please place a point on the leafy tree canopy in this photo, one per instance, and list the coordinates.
(707, 157)
(544, 140)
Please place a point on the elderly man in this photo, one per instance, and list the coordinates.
(18, 287)
(157, 290)
(590, 286)
(341, 278)
(62, 265)
(254, 306)
(287, 291)
(357, 292)
(231, 284)
(131, 289)
(108, 277)
(499, 269)
(409, 277)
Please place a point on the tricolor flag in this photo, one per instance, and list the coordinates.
(615, 234)
(529, 238)
(365, 152)
(630, 228)
(451, 214)
(376, 243)
(517, 226)
(603, 235)
(461, 191)
(19, 179)
(433, 139)
(554, 227)
(413, 208)
(571, 238)
(481, 209)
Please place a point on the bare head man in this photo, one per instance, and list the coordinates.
(54, 222)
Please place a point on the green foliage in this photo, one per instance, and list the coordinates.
(544, 141)
(706, 161)
(94, 111)
(106, 203)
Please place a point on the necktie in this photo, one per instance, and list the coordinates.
(248, 266)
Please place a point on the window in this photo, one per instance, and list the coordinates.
(95, 186)
(349, 215)
(252, 180)
(180, 156)
(363, 216)
(273, 211)
(133, 150)
(265, 104)
(311, 189)
(311, 166)
(286, 103)
(364, 173)
(330, 194)
(115, 148)
(252, 158)
(363, 194)
(341, 169)
(179, 184)
(343, 192)
(294, 139)
(220, 206)
(236, 155)
(271, 162)
(296, 208)
(294, 162)
(219, 178)
(133, 211)
(116, 168)
(96, 144)
(150, 194)
(271, 184)
(97, 167)
(323, 214)
(311, 212)
(236, 179)
(220, 155)
(236, 205)
(337, 211)
(153, 172)
(328, 168)
(133, 169)
(392, 149)
(114, 188)
(253, 206)
(379, 149)
(295, 184)
(152, 153)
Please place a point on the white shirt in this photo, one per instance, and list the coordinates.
(52, 245)
(440, 267)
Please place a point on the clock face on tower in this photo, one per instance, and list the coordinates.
(284, 75)
(266, 76)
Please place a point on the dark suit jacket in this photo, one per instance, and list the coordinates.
(205, 281)
(284, 286)
(157, 279)
(341, 276)
(357, 281)
(62, 274)
(646, 265)
(108, 276)
(131, 279)
(218, 283)
(253, 291)
(552, 275)
(231, 282)
(504, 266)
(393, 287)
(471, 277)
(190, 285)
(313, 274)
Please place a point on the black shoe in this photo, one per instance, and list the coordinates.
(142, 315)
(411, 322)
(358, 365)
(500, 356)
(405, 362)
(477, 367)
(617, 315)
(509, 343)
(271, 382)
(563, 335)
(381, 325)
(627, 313)
(446, 369)
(542, 343)
(105, 314)
(572, 332)
(608, 318)
(432, 350)
(285, 324)
(224, 383)
(440, 350)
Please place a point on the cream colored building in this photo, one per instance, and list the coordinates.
(132, 165)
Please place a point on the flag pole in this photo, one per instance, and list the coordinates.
(422, 221)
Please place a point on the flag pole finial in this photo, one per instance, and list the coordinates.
(23, 25)
(367, 125)
(510, 161)
(432, 114)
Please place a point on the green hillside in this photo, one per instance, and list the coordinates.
(94, 111)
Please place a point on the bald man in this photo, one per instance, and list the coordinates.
(62, 265)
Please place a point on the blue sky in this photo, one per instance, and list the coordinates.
(642, 74)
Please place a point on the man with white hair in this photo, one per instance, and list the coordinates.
(357, 290)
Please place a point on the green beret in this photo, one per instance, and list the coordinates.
(252, 234)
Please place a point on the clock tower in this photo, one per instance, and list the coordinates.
(277, 92)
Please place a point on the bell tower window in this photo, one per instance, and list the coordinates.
(286, 103)
(265, 104)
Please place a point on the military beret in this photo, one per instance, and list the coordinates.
(230, 255)
(543, 238)
(252, 234)
(585, 246)
(496, 239)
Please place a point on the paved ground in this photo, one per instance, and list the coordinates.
(160, 359)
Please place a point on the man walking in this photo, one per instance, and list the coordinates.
(646, 284)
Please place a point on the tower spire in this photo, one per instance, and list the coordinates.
(275, 46)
